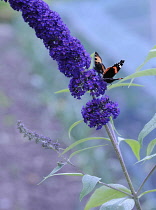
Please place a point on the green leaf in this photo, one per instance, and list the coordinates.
(119, 204)
(92, 60)
(150, 147)
(134, 145)
(112, 122)
(72, 126)
(78, 151)
(68, 174)
(148, 72)
(150, 126)
(62, 91)
(151, 54)
(56, 169)
(81, 141)
(149, 191)
(104, 194)
(89, 182)
(147, 158)
(61, 174)
(123, 84)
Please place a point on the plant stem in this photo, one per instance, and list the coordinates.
(114, 141)
(114, 188)
(146, 179)
(69, 162)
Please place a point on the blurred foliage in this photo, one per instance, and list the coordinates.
(6, 13)
(47, 79)
(9, 120)
(4, 100)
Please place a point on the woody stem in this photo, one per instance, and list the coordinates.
(112, 136)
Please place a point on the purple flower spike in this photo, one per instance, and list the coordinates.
(96, 113)
(87, 81)
(70, 54)
(73, 61)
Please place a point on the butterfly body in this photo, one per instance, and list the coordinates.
(108, 73)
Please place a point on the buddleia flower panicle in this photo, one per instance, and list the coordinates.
(87, 81)
(67, 50)
(46, 141)
(97, 112)
(73, 61)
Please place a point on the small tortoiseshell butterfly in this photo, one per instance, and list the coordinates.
(108, 73)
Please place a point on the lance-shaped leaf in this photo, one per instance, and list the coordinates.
(150, 147)
(82, 150)
(68, 174)
(81, 141)
(151, 54)
(147, 158)
(119, 204)
(123, 84)
(112, 122)
(147, 72)
(61, 174)
(63, 91)
(105, 194)
(134, 145)
(149, 191)
(150, 126)
(56, 169)
(89, 182)
(73, 126)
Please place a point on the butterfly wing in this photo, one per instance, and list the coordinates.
(110, 72)
(110, 80)
(99, 66)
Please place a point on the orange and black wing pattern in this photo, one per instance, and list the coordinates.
(99, 66)
(108, 73)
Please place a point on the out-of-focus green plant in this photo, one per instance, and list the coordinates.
(89, 77)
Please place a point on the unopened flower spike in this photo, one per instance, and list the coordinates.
(46, 141)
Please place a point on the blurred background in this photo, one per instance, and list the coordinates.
(29, 78)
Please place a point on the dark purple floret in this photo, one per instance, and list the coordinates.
(70, 54)
(87, 81)
(96, 113)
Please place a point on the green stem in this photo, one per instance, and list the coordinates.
(114, 141)
(114, 188)
(146, 179)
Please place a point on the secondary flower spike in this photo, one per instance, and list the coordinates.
(46, 141)
(96, 113)
(69, 53)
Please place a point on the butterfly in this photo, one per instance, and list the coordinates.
(108, 73)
